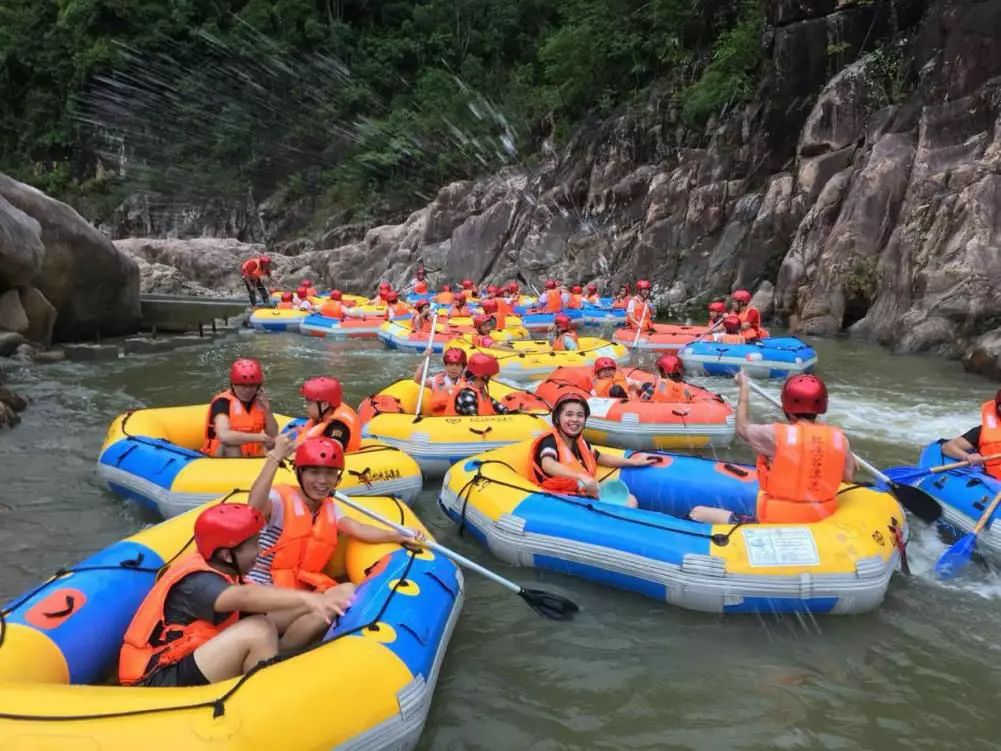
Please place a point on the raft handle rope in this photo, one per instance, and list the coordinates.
(218, 705)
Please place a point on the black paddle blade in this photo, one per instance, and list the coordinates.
(551, 606)
(917, 501)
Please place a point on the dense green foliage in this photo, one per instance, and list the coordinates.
(221, 97)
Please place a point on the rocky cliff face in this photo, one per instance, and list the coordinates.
(862, 180)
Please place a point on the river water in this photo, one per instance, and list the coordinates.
(921, 672)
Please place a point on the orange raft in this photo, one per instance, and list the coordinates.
(664, 336)
(702, 419)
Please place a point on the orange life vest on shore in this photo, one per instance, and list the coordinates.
(420, 287)
(306, 543)
(343, 414)
(566, 458)
(332, 309)
(240, 420)
(799, 485)
(559, 345)
(603, 386)
(990, 437)
(150, 642)
(484, 406)
(252, 269)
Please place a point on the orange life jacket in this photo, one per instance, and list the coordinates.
(459, 312)
(729, 339)
(484, 406)
(602, 386)
(620, 303)
(559, 345)
(306, 543)
(420, 287)
(397, 310)
(754, 320)
(990, 437)
(332, 309)
(444, 298)
(501, 320)
(566, 458)
(552, 301)
(668, 390)
(149, 636)
(441, 394)
(420, 323)
(799, 485)
(642, 311)
(342, 413)
(483, 340)
(251, 269)
(504, 308)
(576, 302)
(240, 420)
(311, 292)
(593, 299)
(284, 306)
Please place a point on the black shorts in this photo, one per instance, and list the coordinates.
(182, 673)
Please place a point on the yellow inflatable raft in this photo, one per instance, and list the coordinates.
(436, 443)
(276, 319)
(367, 684)
(534, 360)
(151, 456)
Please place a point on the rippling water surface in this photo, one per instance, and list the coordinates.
(922, 672)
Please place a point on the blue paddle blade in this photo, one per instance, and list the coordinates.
(903, 475)
(954, 560)
(613, 491)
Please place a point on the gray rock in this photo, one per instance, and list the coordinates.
(24, 353)
(41, 315)
(12, 315)
(983, 355)
(49, 356)
(9, 342)
(12, 399)
(21, 249)
(764, 300)
(140, 345)
(90, 352)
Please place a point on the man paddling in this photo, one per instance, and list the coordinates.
(980, 441)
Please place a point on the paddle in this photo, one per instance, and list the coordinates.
(910, 475)
(954, 560)
(916, 500)
(546, 604)
(427, 362)
(521, 278)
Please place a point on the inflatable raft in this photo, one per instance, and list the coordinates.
(535, 320)
(602, 313)
(663, 337)
(275, 319)
(374, 672)
(964, 493)
(840, 565)
(151, 456)
(776, 357)
(437, 442)
(534, 360)
(702, 419)
(319, 325)
(399, 335)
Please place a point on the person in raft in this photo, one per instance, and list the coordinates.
(730, 333)
(801, 463)
(669, 385)
(302, 525)
(329, 417)
(717, 311)
(562, 335)
(981, 441)
(472, 395)
(484, 324)
(444, 384)
(610, 382)
(396, 308)
(563, 462)
(459, 309)
(240, 421)
(639, 311)
(420, 319)
(253, 272)
(621, 299)
(287, 301)
(201, 624)
(419, 284)
(750, 317)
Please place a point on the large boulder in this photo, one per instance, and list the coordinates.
(21, 249)
(93, 286)
(12, 315)
(41, 315)
(206, 262)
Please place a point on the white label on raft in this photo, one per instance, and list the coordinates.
(600, 406)
(780, 546)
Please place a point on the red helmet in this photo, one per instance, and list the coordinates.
(246, 372)
(481, 319)
(741, 295)
(804, 395)
(731, 324)
(264, 260)
(336, 295)
(670, 364)
(550, 284)
(323, 389)
(489, 306)
(512, 287)
(453, 356)
(287, 297)
(642, 284)
(319, 452)
(493, 289)
(567, 399)
(577, 289)
(446, 288)
(385, 285)
(592, 287)
(307, 282)
(392, 297)
(467, 283)
(421, 304)
(460, 297)
(717, 306)
(602, 363)
(483, 365)
(303, 292)
(226, 525)
(562, 321)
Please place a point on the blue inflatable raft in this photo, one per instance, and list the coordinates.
(775, 357)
